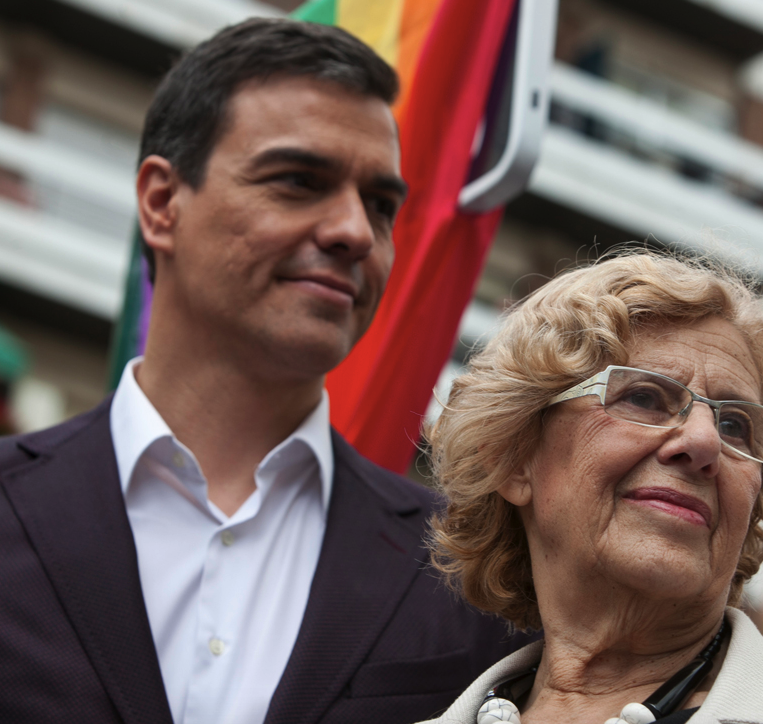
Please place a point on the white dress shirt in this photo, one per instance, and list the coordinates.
(225, 595)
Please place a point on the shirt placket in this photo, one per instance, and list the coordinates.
(216, 641)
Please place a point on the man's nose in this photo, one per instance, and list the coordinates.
(695, 445)
(346, 228)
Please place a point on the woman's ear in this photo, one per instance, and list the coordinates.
(517, 489)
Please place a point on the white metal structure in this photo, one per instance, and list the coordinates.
(655, 125)
(82, 267)
(604, 182)
(647, 200)
(50, 255)
(63, 257)
(536, 31)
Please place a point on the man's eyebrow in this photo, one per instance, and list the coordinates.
(300, 157)
(390, 183)
(293, 155)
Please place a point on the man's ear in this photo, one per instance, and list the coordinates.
(517, 489)
(157, 185)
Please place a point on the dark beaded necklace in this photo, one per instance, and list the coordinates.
(498, 705)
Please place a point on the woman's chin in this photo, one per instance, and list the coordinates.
(659, 553)
(661, 570)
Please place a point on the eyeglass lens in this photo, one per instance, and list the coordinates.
(648, 399)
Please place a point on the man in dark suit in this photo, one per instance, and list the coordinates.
(203, 548)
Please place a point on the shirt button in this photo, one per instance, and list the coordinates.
(227, 538)
(216, 646)
(178, 460)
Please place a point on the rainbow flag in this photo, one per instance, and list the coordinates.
(395, 29)
(445, 52)
(131, 330)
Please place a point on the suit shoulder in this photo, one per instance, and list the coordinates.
(424, 495)
(11, 454)
(18, 449)
(387, 484)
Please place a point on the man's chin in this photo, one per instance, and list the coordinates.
(307, 359)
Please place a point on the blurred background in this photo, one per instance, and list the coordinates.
(656, 134)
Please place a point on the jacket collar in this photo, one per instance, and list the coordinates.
(737, 693)
(371, 553)
(74, 514)
(69, 500)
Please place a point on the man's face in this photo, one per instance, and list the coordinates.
(283, 252)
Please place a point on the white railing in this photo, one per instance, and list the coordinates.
(650, 123)
(606, 182)
(59, 260)
(32, 156)
(645, 199)
(54, 254)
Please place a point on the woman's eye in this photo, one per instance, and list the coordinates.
(645, 399)
(736, 426)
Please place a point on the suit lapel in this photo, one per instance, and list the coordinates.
(369, 558)
(71, 505)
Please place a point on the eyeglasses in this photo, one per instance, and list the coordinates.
(653, 400)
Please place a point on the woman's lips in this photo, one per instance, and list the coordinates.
(673, 502)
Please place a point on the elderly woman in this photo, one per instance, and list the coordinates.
(602, 462)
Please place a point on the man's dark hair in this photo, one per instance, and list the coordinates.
(189, 111)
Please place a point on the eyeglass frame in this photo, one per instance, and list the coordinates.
(601, 379)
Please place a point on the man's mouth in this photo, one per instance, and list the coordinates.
(671, 501)
(327, 286)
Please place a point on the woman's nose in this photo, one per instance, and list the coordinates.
(695, 445)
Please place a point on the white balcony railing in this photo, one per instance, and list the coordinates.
(606, 182)
(655, 125)
(78, 254)
(44, 248)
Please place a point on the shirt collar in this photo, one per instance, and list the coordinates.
(136, 424)
(315, 434)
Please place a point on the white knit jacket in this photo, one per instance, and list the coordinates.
(735, 698)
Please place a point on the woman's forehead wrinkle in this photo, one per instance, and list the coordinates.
(712, 357)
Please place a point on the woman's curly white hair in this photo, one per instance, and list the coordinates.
(568, 330)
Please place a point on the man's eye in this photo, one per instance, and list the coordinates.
(383, 206)
(298, 180)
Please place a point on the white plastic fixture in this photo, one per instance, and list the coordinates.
(522, 111)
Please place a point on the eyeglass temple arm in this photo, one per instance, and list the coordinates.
(596, 385)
